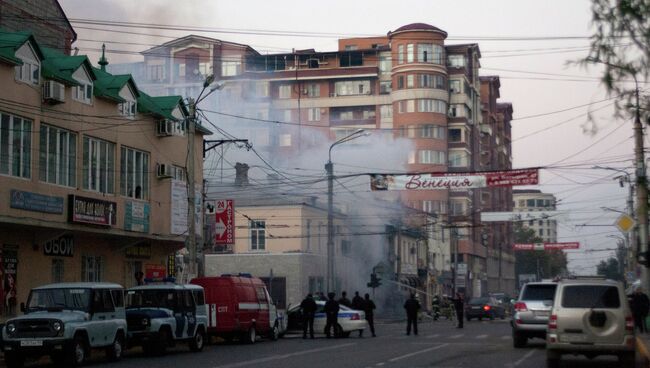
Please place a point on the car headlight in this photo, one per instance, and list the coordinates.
(11, 328)
(57, 326)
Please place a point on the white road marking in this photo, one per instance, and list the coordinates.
(380, 364)
(417, 352)
(456, 336)
(524, 357)
(481, 336)
(433, 336)
(285, 356)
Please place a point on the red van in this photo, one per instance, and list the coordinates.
(239, 306)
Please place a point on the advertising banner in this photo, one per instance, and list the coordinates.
(91, 211)
(547, 246)
(225, 222)
(446, 181)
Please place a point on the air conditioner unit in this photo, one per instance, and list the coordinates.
(164, 171)
(53, 92)
(164, 128)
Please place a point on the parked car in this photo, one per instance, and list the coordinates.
(531, 312)
(159, 316)
(67, 321)
(590, 317)
(484, 307)
(239, 306)
(348, 320)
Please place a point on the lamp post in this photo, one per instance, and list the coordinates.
(329, 167)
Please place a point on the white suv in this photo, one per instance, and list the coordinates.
(590, 317)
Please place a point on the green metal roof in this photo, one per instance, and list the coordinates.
(109, 86)
(163, 107)
(10, 42)
(60, 67)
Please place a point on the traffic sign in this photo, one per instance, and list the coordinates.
(225, 222)
(624, 223)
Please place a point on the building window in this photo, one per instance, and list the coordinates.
(431, 157)
(351, 88)
(261, 89)
(92, 268)
(386, 111)
(285, 140)
(313, 114)
(385, 87)
(57, 270)
(313, 90)
(429, 105)
(458, 208)
(258, 234)
(400, 82)
(15, 146)
(429, 53)
(406, 106)
(531, 222)
(455, 135)
(134, 173)
(541, 232)
(58, 156)
(457, 159)
(284, 91)
(346, 247)
(98, 165)
(178, 173)
(128, 108)
(29, 72)
(230, 68)
(155, 72)
(410, 53)
(308, 234)
(454, 86)
(181, 69)
(205, 69)
(400, 54)
(530, 203)
(431, 81)
(456, 61)
(432, 131)
(83, 93)
(385, 64)
(410, 81)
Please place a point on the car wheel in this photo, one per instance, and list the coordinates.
(158, 347)
(627, 360)
(198, 341)
(519, 340)
(14, 360)
(76, 355)
(115, 351)
(251, 336)
(552, 359)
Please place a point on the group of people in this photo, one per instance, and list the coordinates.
(332, 307)
(412, 307)
(640, 305)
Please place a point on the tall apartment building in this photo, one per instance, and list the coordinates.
(409, 83)
(535, 200)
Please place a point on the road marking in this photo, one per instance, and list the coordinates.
(285, 356)
(457, 336)
(481, 336)
(505, 337)
(380, 364)
(524, 357)
(433, 336)
(417, 353)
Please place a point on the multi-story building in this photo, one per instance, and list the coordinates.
(410, 84)
(92, 172)
(534, 200)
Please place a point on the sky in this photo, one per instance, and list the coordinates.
(552, 97)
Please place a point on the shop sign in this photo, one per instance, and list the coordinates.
(10, 279)
(171, 265)
(35, 202)
(62, 246)
(136, 216)
(91, 211)
(225, 222)
(155, 272)
(138, 251)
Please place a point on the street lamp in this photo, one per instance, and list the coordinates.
(329, 167)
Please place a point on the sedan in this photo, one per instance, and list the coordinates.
(348, 320)
(486, 307)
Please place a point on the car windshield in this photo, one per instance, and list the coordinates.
(539, 292)
(477, 301)
(151, 299)
(59, 299)
(590, 296)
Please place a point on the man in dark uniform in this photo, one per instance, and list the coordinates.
(412, 307)
(344, 300)
(357, 301)
(308, 307)
(369, 308)
(332, 314)
(459, 305)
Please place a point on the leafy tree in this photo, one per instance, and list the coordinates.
(551, 262)
(610, 269)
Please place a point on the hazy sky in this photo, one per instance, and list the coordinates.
(534, 74)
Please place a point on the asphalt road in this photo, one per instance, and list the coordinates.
(484, 344)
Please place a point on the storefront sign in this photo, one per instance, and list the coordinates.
(153, 272)
(62, 246)
(10, 279)
(36, 202)
(171, 265)
(225, 222)
(138, 251)
(136, 216)
(91, 211)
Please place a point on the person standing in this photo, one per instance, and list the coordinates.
(640, 304)
(435, 307)
(459, 306)
(357, 301)
(412, 307)
(308, 307)
(369, 308)
(344, 300)
(332, 314)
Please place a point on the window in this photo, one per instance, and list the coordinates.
(430, 53)
(205, 69)
(83, 93)
(181, 69)
(313, 90)
(230, 68)
(351, 88)
(313, 114)
(286, 115)
(98, 165)
(456, 61)
(385, 64)
(539, 292)
(351, 47)
(155, 72)
(15, 146)
(58, 156)
(128, 108)
(346, 247)
(30, 71)
(91, 268)
(410, 53)
(258, 234)
(432, 131)
(406, 106)
(431, 81)
(541, 232)
(590, 296)
(400, 82)
(400, 54)
(285, 140)
(284, 91)
(57, 270)
(308, 234)
(134, 173)
(178, 173)
(410, 81)
(431, 157)
(454, 86)
(457, 159)
(385, 87)
(386, 111)
(531, 222)
(455, 135)
(530, 203)
(429, 105)
(261, 89)
(458, 208)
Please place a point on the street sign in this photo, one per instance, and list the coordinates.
(462, 269)
(225, 222)
(624, 223)
(546, 246)
(520, 216)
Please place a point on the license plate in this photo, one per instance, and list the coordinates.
(573, 338)
(476, 307)
(542, 313)
(31, 343)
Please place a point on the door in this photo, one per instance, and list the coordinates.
(264, 319)
(100, 330)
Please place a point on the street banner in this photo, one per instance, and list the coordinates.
(447, 181)
(520, 216)
(546, 246)
(225, 222)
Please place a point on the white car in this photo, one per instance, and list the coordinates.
(348, 320)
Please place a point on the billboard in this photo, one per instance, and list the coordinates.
(225, 222)
(446, 181)
(546, 246)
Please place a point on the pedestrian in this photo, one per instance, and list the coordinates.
(321, 296)
(435, 307)
(412, 307)
(640, 304)
(357, 301)
(369, 308)
(332, 314)
(308, 307)
(344, 300)
(459, 305)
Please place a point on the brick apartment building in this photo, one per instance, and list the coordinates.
(409, 83)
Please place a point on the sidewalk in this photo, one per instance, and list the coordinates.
(643, 348)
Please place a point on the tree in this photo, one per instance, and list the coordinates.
(545, 264)
(610, 269)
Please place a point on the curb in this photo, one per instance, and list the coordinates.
(643, 350)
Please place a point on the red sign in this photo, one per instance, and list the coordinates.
(512, 177)
(546, 246)
(224, 232)
(154, 272)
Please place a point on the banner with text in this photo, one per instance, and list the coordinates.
(547, 246)
(449, 181)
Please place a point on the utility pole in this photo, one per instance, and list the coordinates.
(641, 191)
(191, 200)
(329, 167)
(454, 242)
